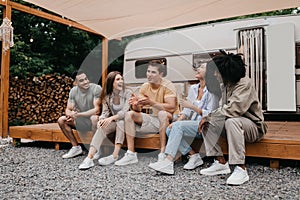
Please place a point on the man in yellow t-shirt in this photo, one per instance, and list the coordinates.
(160, 95)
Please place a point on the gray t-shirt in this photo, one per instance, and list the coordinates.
(84, 100)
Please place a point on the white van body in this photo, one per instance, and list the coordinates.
(274, 52)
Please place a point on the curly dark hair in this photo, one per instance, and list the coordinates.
(231, 67)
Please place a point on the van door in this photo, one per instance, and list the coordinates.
(280, 58)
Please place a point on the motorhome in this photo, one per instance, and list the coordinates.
(270, 48)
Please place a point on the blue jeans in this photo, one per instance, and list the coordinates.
(178, 135)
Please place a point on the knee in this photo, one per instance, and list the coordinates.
(94, 119)
(128, 116)
(61, 120)
(176, 126)
(230, 122)
(163, 116)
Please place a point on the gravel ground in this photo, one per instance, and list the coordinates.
(36, 171)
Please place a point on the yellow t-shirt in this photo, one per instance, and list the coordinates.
(166, 90)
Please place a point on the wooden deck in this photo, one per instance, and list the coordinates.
(281, 142)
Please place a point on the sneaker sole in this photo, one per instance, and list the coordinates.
(85, 168)
(167, 172)
(238, 183)
(164, 171)
(225, 171)
(161, 170)
(197, 165)
(104, 164)
(72, 156)
(128, 163)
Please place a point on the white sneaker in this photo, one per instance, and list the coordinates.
(129, 158)
(165, 166)
(86, 163)
(97, 155)
(238, 176)
(194, 162)
(107, 160)
(216, 168)
(161, 156)
(74, 151)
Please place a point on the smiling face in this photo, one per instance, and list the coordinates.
(82, 81)
(153, 75)
(200, 72)
(118, 82)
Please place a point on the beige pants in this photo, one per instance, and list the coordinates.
(101, 134)
(238, 131)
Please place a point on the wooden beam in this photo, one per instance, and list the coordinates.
(5, 62)
(104, 59)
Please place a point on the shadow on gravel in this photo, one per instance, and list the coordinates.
(183, 159)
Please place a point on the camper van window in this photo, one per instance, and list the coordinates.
(200, 58)
(142, 65)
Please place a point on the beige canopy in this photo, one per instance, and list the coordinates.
(119, 18)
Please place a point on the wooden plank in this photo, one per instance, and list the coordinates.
(46, 132)
(149, 141)
(269, 150)
(84, 138)
(32, 134)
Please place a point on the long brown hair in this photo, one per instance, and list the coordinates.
(108, 85)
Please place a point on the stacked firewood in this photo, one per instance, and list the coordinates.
(37, 100)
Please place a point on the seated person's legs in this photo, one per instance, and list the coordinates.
(136, 122)
(119, 139)
(66, 125)
(96, 142)
(239, 130)
(94, 120)
(131, 119)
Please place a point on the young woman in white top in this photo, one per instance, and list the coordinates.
(114, 98)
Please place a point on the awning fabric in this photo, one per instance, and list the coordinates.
(119, 18)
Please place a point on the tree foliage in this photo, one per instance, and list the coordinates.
(46, 47)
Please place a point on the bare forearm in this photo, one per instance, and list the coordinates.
(197, 110)
(164, 106)
(88, 113)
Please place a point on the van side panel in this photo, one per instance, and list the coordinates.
(281, 67)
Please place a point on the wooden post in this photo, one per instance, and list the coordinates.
(5, 63)
(104, 59)
(274, 164)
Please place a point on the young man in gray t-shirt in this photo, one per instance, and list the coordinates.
(82, 111)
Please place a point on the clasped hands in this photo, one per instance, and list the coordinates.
(72, 115)
(140, 102)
